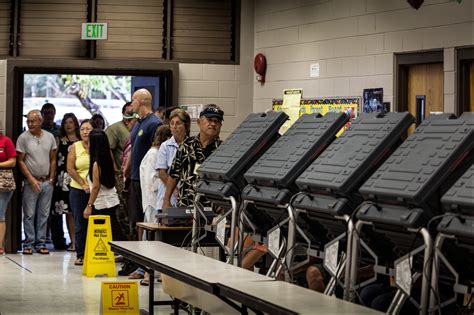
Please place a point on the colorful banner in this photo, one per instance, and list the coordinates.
(349, 105)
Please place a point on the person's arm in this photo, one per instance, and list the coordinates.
(71, 168)
(26, 172)
(170, 186)
(10, 163)
(94, 190)
(52, 165)
(163, 175)
(10, 154)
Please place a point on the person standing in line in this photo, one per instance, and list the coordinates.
(37, 159)
(69, 133)
(78, 160)
(103, 198)
(118, 134)
(7, 161)
(55, 231)
(180, 125)
(191, 154)
(141, 137)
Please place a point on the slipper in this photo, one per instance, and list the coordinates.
(43, 251)
(71, 248)
(79, 262)
(145, 282)
(27, 251)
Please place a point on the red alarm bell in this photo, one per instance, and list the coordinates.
(260, 65)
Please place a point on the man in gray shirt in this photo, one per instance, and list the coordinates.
(37, 160)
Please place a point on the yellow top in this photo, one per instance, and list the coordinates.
(81, 164)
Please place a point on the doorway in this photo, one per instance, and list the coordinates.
(465, 89)
(420, 84)
(17, 69)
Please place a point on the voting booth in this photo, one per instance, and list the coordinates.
(402, 197)
(221, 175)
(272, 178)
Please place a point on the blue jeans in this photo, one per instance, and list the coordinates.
(4, 199)
(36, 204)
(78, 202)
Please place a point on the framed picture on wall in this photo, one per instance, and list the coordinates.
(373, 100)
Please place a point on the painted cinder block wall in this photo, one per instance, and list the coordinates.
(354, 42)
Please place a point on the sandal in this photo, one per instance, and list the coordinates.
(71, 248)
(43, 251)
(145, 282)
(79, 262)
(27, 251)
(135, 275)
(2, 250)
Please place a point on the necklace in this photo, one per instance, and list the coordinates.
(38, 138)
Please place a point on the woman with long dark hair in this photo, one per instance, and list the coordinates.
(69, 133)
(103, 198)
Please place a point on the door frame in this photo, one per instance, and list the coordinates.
(464, 56)
(14, 109)
(402, 62)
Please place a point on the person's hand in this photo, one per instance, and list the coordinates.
(35, 185)
(87, 212)
(86, 188)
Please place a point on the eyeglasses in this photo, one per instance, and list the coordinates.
(176, 124)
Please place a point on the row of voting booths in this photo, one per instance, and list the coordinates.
(370, 198)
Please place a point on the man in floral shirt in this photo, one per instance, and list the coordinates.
(190, 155)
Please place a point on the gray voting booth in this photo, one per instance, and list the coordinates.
(272, 178)
(403, 196)
(221, 175)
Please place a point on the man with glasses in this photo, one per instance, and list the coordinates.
(191, 154)
(37, 160)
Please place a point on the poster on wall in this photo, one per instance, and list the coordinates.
(349, 105)
(373, 100)
(291, 106)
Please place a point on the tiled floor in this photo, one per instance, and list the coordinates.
(51, 284)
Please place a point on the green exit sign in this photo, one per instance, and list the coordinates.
(94, 31)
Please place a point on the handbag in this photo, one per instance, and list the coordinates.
(7, 180)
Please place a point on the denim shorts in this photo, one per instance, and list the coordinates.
(4, 199)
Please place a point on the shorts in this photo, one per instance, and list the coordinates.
(134, 203)
(4, 200)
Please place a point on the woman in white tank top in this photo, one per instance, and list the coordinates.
(103, 198)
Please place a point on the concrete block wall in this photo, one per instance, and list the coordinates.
(354, 42)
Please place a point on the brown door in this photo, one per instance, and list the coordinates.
(427, 80)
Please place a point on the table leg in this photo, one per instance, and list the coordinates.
(151, 292)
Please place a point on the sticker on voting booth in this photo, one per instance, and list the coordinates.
(274, 242)
(403, 275)
(220, 231)
(331, 257)
(119, 298)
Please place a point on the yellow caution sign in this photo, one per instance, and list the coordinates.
(119, 298)
(98, 258)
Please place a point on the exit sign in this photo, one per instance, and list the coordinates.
(93, 31)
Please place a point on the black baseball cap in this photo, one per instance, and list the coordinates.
(212, 110)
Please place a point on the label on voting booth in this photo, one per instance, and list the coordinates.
(403, 275)
(331, 257)
(119, 298)
(274, 242)
(220, 231)
(98, 258)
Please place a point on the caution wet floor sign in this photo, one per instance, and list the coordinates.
(98, 259)
(119, 298)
